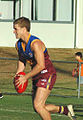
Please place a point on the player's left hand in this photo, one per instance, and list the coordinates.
(20, 81)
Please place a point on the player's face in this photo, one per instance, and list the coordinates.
(18, 31)
(77, 57)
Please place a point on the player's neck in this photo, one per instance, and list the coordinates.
(79, 59)
(24, 38)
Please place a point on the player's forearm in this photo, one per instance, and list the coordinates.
(20, 67)
(34, 71)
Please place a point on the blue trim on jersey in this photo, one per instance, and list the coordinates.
(28, 54)
(28, 48)
(45, 50)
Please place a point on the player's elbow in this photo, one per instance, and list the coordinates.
(42, 66)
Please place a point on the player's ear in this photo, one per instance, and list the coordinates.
(24, 29)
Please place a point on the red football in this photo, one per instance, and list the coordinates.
(20, 89)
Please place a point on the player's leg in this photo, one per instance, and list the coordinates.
(34, 90)
(39, 97)
(1, 96)
(43, 109)
(50, 107)
(59, 109)
(66, 110)
(39, 103)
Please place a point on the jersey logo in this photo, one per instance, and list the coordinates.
(43, 80)
(44, 71)
(30, 54)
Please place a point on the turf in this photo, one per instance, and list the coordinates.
(18, 107)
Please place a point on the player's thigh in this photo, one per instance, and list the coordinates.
(41, 96)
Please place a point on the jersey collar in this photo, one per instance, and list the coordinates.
(28, 38)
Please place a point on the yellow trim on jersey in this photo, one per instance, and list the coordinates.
(48, 84)
(44, 49)
(23, 46)
(34, 41)
(37, 40)
(30, 62)
(28, 38)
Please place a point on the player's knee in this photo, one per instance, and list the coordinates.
(38, 106)
(34, 108)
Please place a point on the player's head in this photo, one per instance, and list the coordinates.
(21, 27)
(23, 22)
(78, 55)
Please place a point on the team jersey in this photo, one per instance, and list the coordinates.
(25, 51)
(27, 54)
(81, 68)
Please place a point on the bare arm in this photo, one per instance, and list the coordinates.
(39, 56)
(37, 48)
(20, 67)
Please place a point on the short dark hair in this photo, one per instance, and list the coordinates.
(23, 22)
(78, 54)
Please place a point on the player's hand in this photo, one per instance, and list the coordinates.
(20, 81)
(16, 75)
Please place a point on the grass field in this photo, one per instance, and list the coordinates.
(19, 107)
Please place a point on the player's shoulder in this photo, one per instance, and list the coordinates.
(80, 60)
(36, 42)
(33, 37)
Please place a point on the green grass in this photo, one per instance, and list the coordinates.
(20, 107)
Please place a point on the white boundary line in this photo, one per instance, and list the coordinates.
(24, 111)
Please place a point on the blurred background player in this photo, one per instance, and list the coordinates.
(31, 49)
(1, 96)
(78, 57)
